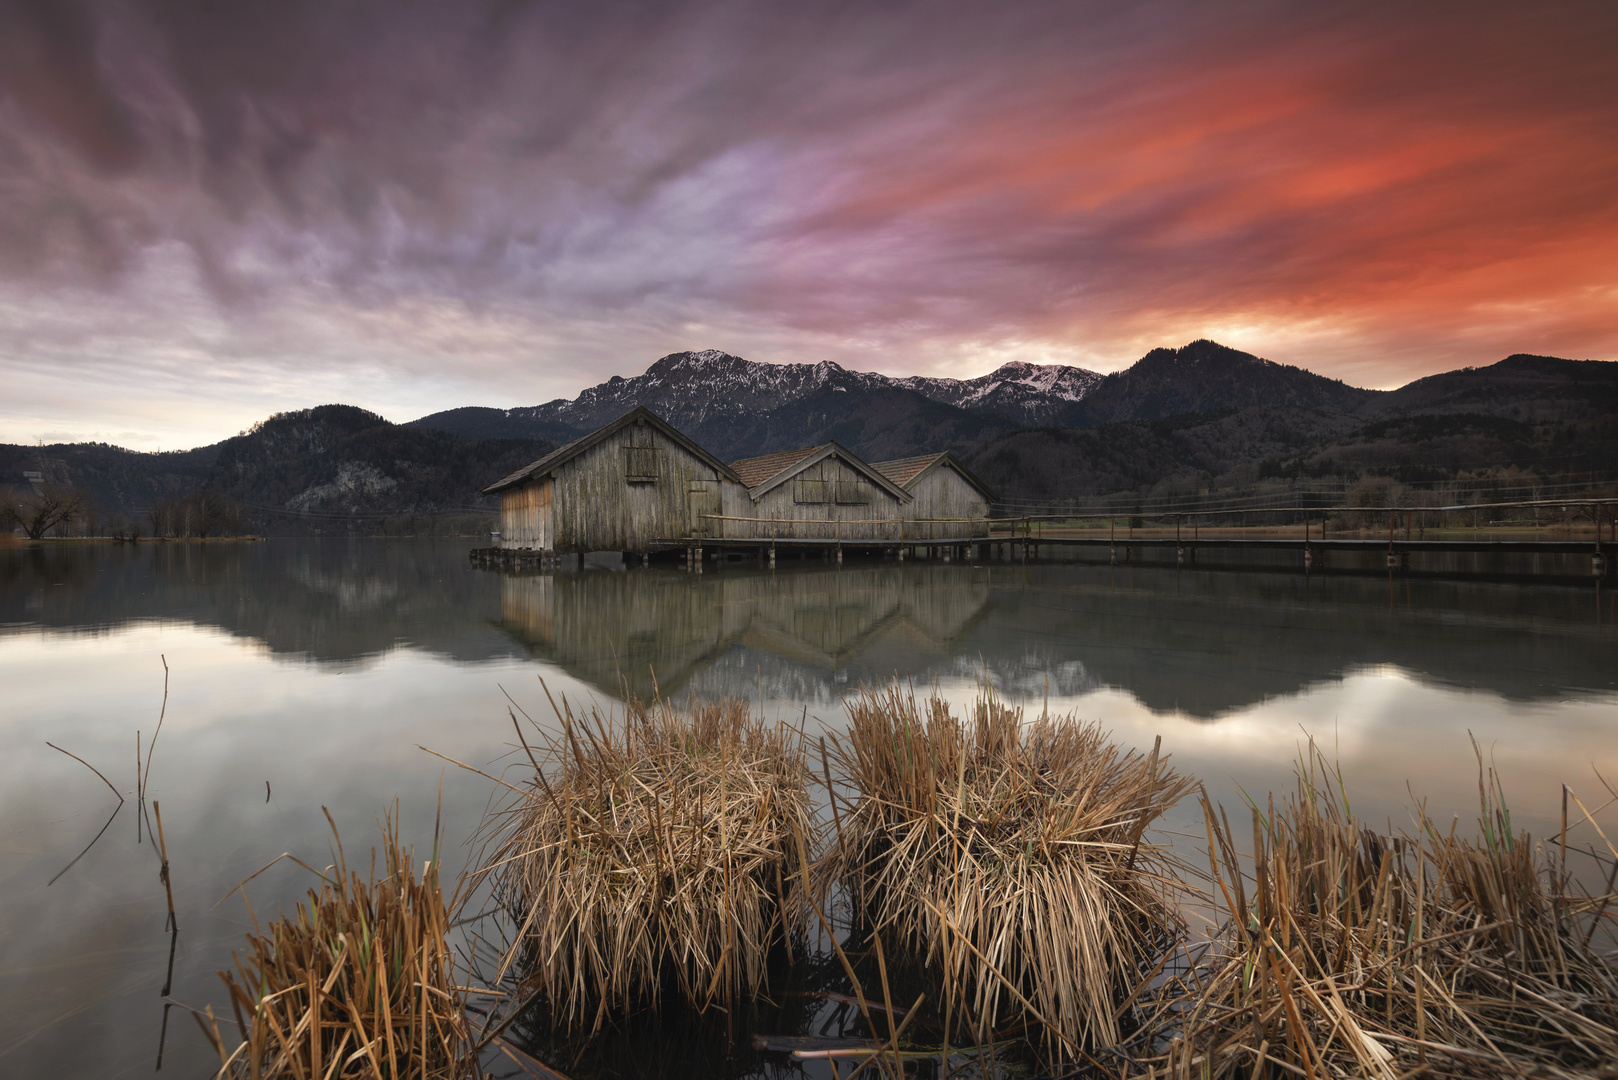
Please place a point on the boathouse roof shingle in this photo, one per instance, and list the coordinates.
(760, 474)
(906, 471)
(755, 471)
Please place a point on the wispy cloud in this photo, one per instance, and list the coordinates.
(212, 213)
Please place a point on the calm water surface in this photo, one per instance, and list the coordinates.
(306, 674)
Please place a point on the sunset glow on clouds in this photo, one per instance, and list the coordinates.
(211, 213)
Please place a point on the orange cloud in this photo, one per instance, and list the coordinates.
(1411, 178)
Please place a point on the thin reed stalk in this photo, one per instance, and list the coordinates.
(1012, 856)
(1348, 952)
(660, 849)
(358, 983)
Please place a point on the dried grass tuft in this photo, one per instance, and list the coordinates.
(664, 847)
(1011, 854)
(359, 983)
(1357, 953)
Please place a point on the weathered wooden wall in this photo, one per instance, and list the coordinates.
(944, 493)
(632, 488)
(638, 486)
(782, 503)
(525, 516)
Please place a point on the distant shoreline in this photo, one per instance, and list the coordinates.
(23, 540)
(9, 540)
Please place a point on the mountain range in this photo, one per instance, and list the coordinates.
(1203, 417)
(715, 391)
(736, 406)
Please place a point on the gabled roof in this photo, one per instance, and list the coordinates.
(789, 463)
(568, 451)
(905, 472)
(755, 470)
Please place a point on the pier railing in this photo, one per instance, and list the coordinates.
(853, 531)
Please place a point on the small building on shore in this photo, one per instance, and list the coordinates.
(946, 500)
(623, 487)
(639, 485)
(816, 493)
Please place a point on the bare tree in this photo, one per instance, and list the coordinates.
(41, 511)
(10, 500)
(203, 514)
(213, 514)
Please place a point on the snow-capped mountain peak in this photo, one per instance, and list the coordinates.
(690, 389)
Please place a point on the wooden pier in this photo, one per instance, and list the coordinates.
(1575, 558)
(1029, 539)
(697, 550)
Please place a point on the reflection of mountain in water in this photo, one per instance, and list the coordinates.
(1209, 643)
(331, 600)
(655, 632)
(1203, 643)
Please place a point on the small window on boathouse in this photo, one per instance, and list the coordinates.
(853, 492)
(809, 492)
(640, 464)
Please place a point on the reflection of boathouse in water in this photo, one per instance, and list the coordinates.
(638, 486)
(651, 632)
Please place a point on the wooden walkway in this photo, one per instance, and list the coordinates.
(1573, 558)
(1029, 539)
(1316, 553)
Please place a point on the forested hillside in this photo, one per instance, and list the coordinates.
(330, 468)
(312, 469)
(1201, 422)
(1528, 427)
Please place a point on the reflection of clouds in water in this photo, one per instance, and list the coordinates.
(1394, 731)
(330, 705)
(1395, 734)
(238, 715)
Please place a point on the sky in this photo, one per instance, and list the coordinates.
(210, 212)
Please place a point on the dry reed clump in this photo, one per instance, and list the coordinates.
(1362, 954)
(358, 984)
(664, 847)
(1011, 854)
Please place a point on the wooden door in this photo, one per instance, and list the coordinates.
(702, 499)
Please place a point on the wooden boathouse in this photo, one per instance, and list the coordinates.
(947, 500)
(816, 493)
(625, 487)
(638, 486)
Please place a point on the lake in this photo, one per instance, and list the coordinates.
(307, 674)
